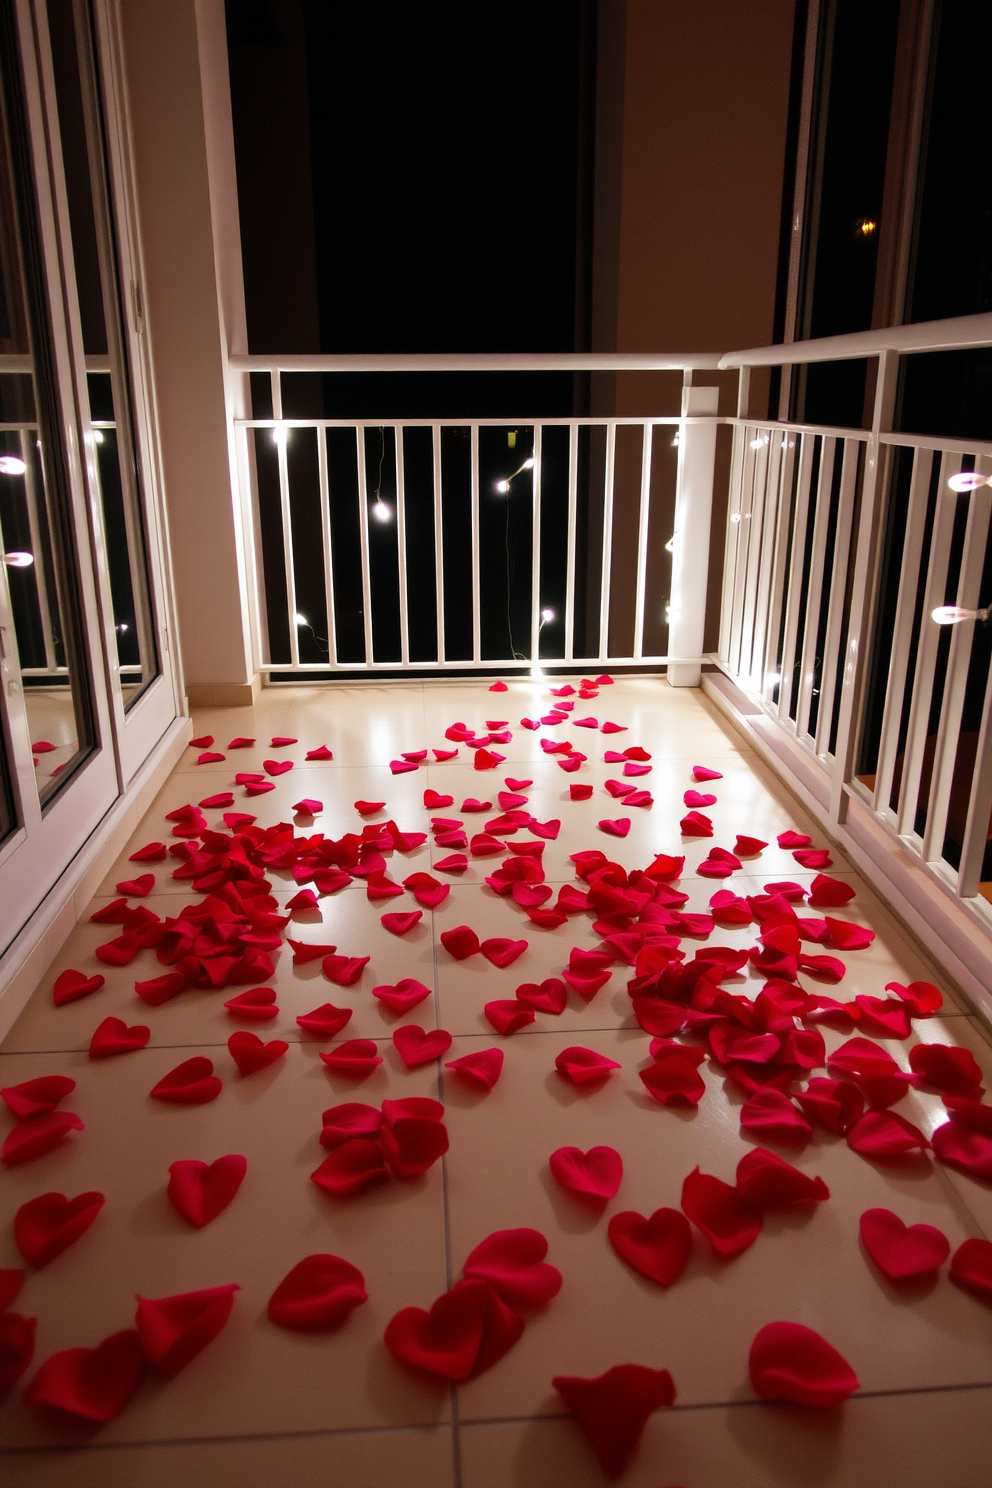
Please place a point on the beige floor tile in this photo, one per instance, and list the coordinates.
(255, 1377)
(384, 1459)
(903, 1441)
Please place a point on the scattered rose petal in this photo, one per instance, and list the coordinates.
(448, 1340)
(971, 1268)
(344, 971)
(594, 1174)
(318, 1294)
(580, 792)
(702, 772)
(584, 1066)
(720, 1213)
(886, 1017)
(324, 1021)
(258, 1005)
(618, 828)
(401, 923)
(71, 984)
(696, 798)
(550, 997)
(512, 1262)
(922, 998)
(829, 893)
(770, 1114)
(499, 687)
(694, 824)
(89, 1385)
(305, 899)
(766, 1182)
(192, 1083)
(502, 951)
(46, 1226)
(882, 1135)
(309, 807)
(403, 767)
(957, 1145)
(674, 1081)
(222, 798)
(416, 1047)
(38, 1096)
(748, 847)
(209, 757)
(320, 753)
(173, 1330)
(369, 808)
(658, 1248)
(955, 1071)
(613, 1409)
(113, 1036)
(507, 1015)
(355, 1057)
(790, 1362)
(813, 857)
(406, 994)
(250, 1054)
(902, 1252)
(352, 1166)
(480, 1070)
(793, 839)
(200, 1192)
(461, 942)
(154, 852)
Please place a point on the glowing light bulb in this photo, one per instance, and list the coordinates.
(866, 227)
(502, 487)
(528, 464)
(97, 436)
(954, 615)
(773, 679)
(670, 545)
(280, 435)
(759, 442)
(301, 619)
(537, 672)
(122, 628)
(675, 441)
(968, 480)
(547, 616)
(18, 560)
(382, 512)
(12, 465)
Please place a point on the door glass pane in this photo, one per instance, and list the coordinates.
(47, 660)
(98, 289)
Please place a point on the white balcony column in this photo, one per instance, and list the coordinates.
(691, 546)
(194, 312)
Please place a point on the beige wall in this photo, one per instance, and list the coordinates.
(176, 59)
(706, 102)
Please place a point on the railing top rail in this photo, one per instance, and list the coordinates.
(482, 361)
(20, 361)
(956, 334)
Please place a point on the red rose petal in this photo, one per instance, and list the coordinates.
(957, 1145)
(902, 1252)
(325, 1021)
(766, 1182)
(613, 1409)
(847, 937)
(46, 1226)
(748, 847)
(412, 1144)
(580, 792)
(697, 798)
(36, 1136)
(257, 1005)
(89, 1385)
(113, 1036)
(16, 1338)
(971, 1268)
(173, 1330)
(770, 1114)
(406, 994)
(659, 1247)
(445, 1341)
(790, 1362)
(155, 852)
(955, 1071)
(702, 772)
(38, 1096)
(369, 808)
(922, 998)
(433, 801)
(793, 839)
(416, 1047)
(350, 1167)
(354, 1057)
(835, 1103)
(882, 1135)
(320, 753)
(71, 985)
(480, 1070)
(501, 951)
(309, 807)
(241, 743)
(456, 863)
(444, 754)
(813, 857)
(549, 997)
(720, 1213)
(192, 1083)
(674, 1082)
(886, 1017)
(584, 1066)
(695, 824)
(344, 971)
(512, 1262)
(507, 1015)
(222, 798)
(594, 1174)
(200, 1192)
(461, 942)
(209, 758)
(403, 767)
(618, 828)
(318, 1294)
(250, 1054)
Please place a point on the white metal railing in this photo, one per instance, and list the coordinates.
(839, 544)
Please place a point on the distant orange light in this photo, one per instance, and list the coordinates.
(866, 227)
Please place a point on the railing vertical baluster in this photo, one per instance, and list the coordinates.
(644, 513)
(438, 545)
(832, 661)
(755, 537)
(363, 529)
(606, 574)
(37, 546)
(324, 485)
(573, 487)
(778, 577)
(799, 525)
(257, 615)
(731, 542)
(401, 544)
(956, 676)
(476, 576)
(769, 527)
(902, 631)
(535, 551)
(814, 592)
(926, 659)
(979, 806)
(743, 536)
(282, 439)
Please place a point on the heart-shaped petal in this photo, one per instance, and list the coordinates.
(613, 1408)
(883, 1136)
(17, 1335)
(416, 1047)
(192, 1083)
(549, 997)
(507, 1015)
(674, 1082)
(258, 1005)
(320, 753)
(276, 767)
(46, 1226)
(720, 1213)
(502, 951)
(344, 971)
(369, 808)
(113, 1036)
(954, 1143)
(461, 942)
(72, 984)
(902, 1252)
(324, 1021)
(412, 1144)
(406, 994)
(137, 887)
(955, 1071)
(695, 824)
(352, 1119)
(444, 1342)
(766, 1182)
(480, 1070)
(173, 1330)
(771, 1115)
(618, 828)
(584, 1066)
(790, 1362)
(36, 1136)
(350, 1167)
(38, 1096)
(512, 1262)
(250, 1054)
(922, 998)
(595, 1174)
(658, 1247)
(971, 1268)
(89, 1385)
(199, 1192)
(354, 1057)
(318, 1294)
(158, 990)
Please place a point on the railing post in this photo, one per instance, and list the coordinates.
(691, 547)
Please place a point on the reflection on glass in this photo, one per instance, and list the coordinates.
(99, 295)
(48, 669)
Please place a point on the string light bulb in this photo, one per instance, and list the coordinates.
(968, 480)
(18, 560)
(955, 614)
(12, 465)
